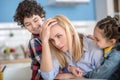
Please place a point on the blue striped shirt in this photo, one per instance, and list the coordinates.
(90, 60)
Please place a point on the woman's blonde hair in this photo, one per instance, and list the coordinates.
(74, 43)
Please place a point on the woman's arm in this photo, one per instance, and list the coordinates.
(66, 76)
(46, 61)
(47, 67)
(75, 73)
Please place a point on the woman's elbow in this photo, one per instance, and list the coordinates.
(50, 76)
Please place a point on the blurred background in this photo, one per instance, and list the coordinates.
(14, 40)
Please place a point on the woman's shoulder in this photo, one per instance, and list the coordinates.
(85, 38)
(89, 45)
(87, 41)
(92, 49)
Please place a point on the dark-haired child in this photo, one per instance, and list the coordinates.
(29, 14)
(107, 37)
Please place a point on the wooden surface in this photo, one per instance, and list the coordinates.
(15, 61)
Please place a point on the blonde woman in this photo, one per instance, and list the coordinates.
(67, 48)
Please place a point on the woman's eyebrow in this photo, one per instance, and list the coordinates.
(54, 36)
(57, 34)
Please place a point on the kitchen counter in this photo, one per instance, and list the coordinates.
(24, 60)
(18, 69)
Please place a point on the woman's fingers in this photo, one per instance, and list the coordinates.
(45, 30)
(48, 22)
(78, 72)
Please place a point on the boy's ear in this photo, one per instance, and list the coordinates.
(113, 41)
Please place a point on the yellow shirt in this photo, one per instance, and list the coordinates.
(107, 50)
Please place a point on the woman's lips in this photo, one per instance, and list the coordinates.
(61, 47)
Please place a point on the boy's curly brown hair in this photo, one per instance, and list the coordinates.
(28, 8)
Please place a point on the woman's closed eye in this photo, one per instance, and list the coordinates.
(59, 36)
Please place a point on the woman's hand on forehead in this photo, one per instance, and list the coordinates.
(45, 29)
(51, 21)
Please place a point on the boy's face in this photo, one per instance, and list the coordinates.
(33, 24)
(101, 41)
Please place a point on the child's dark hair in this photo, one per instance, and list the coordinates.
(111, 28)
(28, 8)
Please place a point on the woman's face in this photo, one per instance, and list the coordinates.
(58, 37)
(33, 24)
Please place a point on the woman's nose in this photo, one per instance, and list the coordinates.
(57, 42)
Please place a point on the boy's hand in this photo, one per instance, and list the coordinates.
(76, 71)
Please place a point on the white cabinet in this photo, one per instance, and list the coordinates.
(67, 2)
